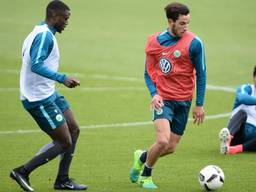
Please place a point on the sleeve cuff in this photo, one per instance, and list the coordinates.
(199, 104)
(153, 93)
(62, 78)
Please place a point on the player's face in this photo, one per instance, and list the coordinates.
(61, 21)
(180, 26)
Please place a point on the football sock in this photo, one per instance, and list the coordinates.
(45, 154)
(146, 171)
(143, 156)
(65, 161)
(237, 121)
(235, 149)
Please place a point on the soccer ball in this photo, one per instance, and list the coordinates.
(211, 178)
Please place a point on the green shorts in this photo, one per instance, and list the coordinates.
(49, 115)
(176, 112)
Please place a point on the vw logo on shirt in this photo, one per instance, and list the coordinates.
(165, 65)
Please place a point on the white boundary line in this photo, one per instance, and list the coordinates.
(116, 78)
(98, 89)
(96, 76)
(84, 89)
(221, 88)
(114, 125)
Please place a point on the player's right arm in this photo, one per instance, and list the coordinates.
(243, 96)
(157, 101)
(39, 51)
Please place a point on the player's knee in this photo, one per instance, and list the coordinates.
(162, 143)
(74, 130)
(243, 114)
(75, 133)
(66, 144)
(171, 149)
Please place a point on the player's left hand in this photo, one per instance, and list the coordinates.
(71, 82)
(198, 114)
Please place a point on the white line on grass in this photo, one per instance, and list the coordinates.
(97, 89)
(220, 88)
(113, 125)
(85, 89)
(96, 76)
(116, 78)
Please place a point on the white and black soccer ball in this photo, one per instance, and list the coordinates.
(211, 177)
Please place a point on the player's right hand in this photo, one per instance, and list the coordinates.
(71, 82)
(156, 103)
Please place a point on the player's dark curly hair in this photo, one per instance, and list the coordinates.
(254, 71)
(56, 6)
(173, 10)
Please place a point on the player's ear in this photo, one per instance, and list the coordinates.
(55, 16)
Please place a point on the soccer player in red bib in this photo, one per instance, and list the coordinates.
(175, 60)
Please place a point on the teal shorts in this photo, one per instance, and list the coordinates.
(176, 112)
(49, 115)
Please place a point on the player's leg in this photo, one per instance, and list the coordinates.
(178, 125)
(67, 157)
(162, 141)
(46, 154)
(248, 141)
(232, 135)
(236, 122)
(235, 146)
(63, 181)
(250, 145)
(51, 120)
(171, 147)
(155, 151)
(141, 156)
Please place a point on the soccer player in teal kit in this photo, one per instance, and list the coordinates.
(173, 58)
(51, 111)
(240, 134)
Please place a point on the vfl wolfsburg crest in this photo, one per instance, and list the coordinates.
(59, 117)
(165, 65)
(159, 112)
(176, 53)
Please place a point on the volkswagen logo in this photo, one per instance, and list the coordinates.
(165, 65)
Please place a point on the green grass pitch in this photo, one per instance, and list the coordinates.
(104, 47)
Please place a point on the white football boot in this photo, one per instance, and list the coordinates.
(225, 138)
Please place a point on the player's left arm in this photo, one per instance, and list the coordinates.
(197, 55)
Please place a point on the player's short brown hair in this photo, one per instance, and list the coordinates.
(173, 10)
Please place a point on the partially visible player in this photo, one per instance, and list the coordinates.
(240, 134)
(173, 58)
(51, 111)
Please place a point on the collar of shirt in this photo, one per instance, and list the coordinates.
(171, 36)
(52, 29)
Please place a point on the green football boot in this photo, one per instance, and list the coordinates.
(146, 182)
(137, 166)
